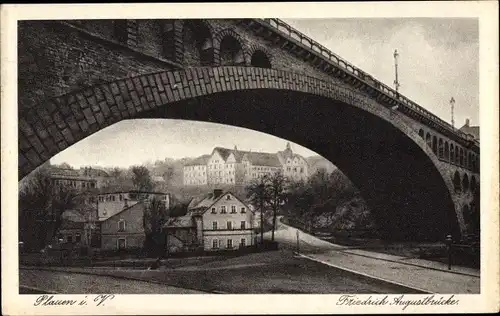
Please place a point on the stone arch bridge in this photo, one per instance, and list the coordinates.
(416, 172)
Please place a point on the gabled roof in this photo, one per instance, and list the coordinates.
(473, 130)
(263, 159)
(206, 203)
(284, 155)
(185, 221)
(202, 160)
(71, 225)
(223, 152)
(123, 210)
(75, 216)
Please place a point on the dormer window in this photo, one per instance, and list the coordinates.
(213, 210)
(228, 197)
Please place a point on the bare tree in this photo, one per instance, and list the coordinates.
(258, 194)
(276, 187)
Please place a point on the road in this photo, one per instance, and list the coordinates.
(424, 276)
(75, 283)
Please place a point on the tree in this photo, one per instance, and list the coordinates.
(116, 172)
(276, 187)
(141, 178)
(39, 192)
(257, 193)
(155, 215)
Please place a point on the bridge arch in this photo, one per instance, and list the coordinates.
(465, 182)
(393, 167)
(434, 145)
(229, 49)
(457, 182)
(197, 38)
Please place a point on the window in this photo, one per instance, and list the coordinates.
(121, 197)
(243, 224)
(78, 237)
(301, 170)
(214, 225)
(229, 225)
(215, 244)
(243, 242)
(213, 210)
(69, 238)
(121, 225)
(243, 210)
(122, 243)
(233, 209)
(223, 209)
(229, 243)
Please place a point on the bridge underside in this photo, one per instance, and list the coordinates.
(405, 191)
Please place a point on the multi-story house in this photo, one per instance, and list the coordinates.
(195, 172)
(124, 229)
(120, 217)
(220, 221)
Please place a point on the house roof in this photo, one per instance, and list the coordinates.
(207, 202)
(72, 225)
(130, 191)
(185, 221)
(123, 210)
(284, 155)
(64, 172)
(202, 160)
(73, 214)
(473, 130)
(223, 152)
(93, 172)
(263, 159)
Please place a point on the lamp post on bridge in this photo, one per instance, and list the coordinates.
(396, 81)
(452, 104)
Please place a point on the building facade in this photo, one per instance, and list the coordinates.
(220, 221)
(125, 229)
(234, 167)
(120, 217)
(83, 179)
(195, 172)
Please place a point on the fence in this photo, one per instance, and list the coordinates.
(285, 29)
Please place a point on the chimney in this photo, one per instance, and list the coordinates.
(467, 122)
(217, 193)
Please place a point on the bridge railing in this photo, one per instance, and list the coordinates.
(293, 33)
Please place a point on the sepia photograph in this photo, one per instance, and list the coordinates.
(272, 155)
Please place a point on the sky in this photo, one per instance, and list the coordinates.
(438, 59)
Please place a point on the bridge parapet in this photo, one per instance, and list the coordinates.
(410, 107)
